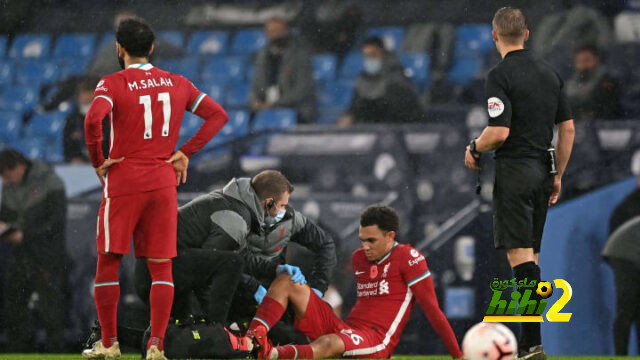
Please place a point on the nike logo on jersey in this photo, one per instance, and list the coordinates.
(360, 272)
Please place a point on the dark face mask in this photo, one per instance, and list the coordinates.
(279, 44)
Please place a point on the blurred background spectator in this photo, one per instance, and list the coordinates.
(75, 150)
(33, 219)
(283, 75)
(592, 91)
(382, 92)
(332, 26)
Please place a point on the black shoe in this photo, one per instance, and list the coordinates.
(533, 353)
(96, 334)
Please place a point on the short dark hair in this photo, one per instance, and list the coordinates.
(589, 47)
(510, 24)
(10, 158)
(384, 216)
(271, 183)
(373, 41)
(135, 36)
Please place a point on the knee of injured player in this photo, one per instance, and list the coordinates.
(328, 346)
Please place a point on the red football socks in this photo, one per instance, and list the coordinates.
(160, 299)
(106, 295)
(295, 352)
(269, 313)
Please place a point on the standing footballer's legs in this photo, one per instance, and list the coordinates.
(160, 299)
(107, 294)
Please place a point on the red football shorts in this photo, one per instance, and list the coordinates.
(151, 218)
(359, 341)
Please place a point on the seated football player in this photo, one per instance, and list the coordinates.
(390, 278)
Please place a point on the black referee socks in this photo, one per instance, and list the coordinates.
(530, 331)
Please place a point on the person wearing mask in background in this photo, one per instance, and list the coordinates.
(284, 74)
(382, 93)
(32, 220)
(75, 151)
(592, 92)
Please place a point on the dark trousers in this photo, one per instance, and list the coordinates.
(627, 281)
(34, 287)
(211, 275)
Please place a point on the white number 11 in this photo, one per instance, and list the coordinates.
(148, 117)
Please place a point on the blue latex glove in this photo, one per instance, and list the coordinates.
(293, 271)
(318, 292)
(260, 294)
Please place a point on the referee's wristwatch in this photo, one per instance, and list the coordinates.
(472, 149)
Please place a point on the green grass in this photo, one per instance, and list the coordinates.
(399, 357)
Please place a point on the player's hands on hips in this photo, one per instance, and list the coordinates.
(103, 169)
(293, 271)
(470, 161)
(557, 185)
(180, 163)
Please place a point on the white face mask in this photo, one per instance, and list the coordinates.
(372, 66)
(272, 220)
(84, 108)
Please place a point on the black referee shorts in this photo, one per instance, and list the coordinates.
(520, 201)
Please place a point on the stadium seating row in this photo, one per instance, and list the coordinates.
(42, 137)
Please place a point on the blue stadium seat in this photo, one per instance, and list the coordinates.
(229, 68)
(237, 95)
(190, 124)
(47, 126)
(32, 148)
(73, 45)
(6, 72)
(3, 46)
(173, 37)
(248, 41)
(20, 98)
(238, 124)
(329, 116)
(473, 40)
(209, 43)
(30, 46)
(107, 38)
(37, 71)
(392, 36)
(464, 70)
(352, 65)
(187, 67)
(216, 90)
(54, 151)
(72, 66)
(335, 94)
(417, 68)
(324, 67)
(275, 119)
(10, 125)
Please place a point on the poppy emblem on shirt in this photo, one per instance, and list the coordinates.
(495, 107)
(278, 248)
(282, 232)
(373, 272)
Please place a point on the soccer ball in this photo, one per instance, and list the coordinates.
(489, 341)
(544, 289)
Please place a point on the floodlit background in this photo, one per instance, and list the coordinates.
(348, 122)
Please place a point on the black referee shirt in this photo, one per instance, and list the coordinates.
(525, 94)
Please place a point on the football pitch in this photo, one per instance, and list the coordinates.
(399, 357)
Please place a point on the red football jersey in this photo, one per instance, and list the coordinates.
(385, 299)
(147, 107)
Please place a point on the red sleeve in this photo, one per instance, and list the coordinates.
(100, 107)
(214, 119)
(418, 277)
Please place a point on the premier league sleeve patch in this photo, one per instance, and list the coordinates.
(495, 106)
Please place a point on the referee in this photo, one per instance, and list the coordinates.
(525, 101)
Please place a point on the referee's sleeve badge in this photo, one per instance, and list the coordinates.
(495, 107)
